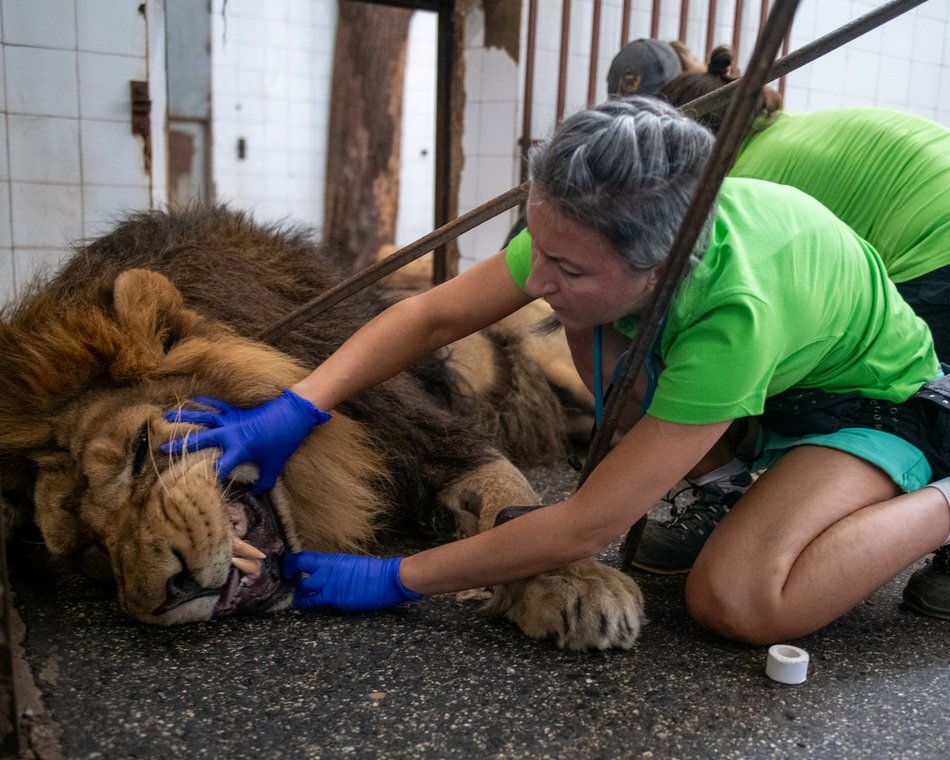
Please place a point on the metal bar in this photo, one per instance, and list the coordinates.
(684, 20)
(737, 26)
(562, 63)
(391, 263)
(655, 20)
(528, 105)
(443, 136)
(711, 27)
(763, 14)
(785, 42)
(594, 51)
(625, 24)
(808, 53)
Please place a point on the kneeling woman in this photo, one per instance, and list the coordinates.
(782, 300)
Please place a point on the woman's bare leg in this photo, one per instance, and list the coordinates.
(813, 537)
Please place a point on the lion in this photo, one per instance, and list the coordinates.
(165, 308)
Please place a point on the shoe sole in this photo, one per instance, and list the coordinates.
(915, 605)
(661, 570)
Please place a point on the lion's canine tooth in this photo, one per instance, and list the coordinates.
(247, 566)
(241, 548)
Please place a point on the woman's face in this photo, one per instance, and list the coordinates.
(578, 272)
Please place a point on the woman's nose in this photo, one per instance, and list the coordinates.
(538, 284)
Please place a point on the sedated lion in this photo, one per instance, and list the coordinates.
(164, 308)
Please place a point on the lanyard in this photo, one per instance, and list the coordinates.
(649, 365)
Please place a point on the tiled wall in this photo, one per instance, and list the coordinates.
(68, 159)
(271, 64)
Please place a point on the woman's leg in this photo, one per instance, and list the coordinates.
(815, 535)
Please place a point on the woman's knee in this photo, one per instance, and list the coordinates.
(734, 608)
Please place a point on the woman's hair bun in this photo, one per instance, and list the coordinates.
(720, 61)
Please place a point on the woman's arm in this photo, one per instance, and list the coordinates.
(411, 329)
(647, 462)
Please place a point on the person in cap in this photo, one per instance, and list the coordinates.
(642, 67)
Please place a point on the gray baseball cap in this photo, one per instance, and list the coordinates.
(642, 67)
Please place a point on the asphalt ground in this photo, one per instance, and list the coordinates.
(440, 679)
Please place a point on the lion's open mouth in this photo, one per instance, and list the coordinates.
(254, 583)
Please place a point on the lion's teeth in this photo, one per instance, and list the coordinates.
(247, 566)
(240, 548)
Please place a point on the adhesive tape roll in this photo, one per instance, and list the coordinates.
(787, 664)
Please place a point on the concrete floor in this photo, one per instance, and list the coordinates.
(441, 680)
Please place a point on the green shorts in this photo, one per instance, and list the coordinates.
(902, 461)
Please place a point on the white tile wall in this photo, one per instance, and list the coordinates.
(271, 67)
(65, 139)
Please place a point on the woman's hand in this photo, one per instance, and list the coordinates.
(266, 435)
(345, 581)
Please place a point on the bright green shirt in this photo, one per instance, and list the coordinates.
(884, 173)
(785, 295)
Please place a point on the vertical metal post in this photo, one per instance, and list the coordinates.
(684, 20)
(711, 27)
(655, 20)
(625, 24)
(737, 26)
(528, 102)
(443, 133)
(562, 63)
(594, 52)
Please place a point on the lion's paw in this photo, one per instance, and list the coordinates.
(584, 606)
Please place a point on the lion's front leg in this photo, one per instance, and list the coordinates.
(585, 605)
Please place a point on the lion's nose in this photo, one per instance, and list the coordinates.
(183, 587)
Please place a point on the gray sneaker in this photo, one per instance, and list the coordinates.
(671, 546)
(928, 589)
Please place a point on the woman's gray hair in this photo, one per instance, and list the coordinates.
(627, 169)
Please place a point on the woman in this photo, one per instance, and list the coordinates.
(821, 530)
(887, 175)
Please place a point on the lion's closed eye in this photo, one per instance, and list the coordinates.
(140, 449)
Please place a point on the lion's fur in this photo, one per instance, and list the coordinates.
(165, 308)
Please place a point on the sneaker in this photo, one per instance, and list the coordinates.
(671, 546)
(928, 589)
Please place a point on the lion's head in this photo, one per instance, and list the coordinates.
(84, 388)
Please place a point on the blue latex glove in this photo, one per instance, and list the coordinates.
(345, 581)
(266, 435)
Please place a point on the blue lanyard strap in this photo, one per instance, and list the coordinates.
(598, 373)
(649, 365)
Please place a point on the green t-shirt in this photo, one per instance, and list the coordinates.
(785, 295)
(884, 173)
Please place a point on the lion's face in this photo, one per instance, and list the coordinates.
(180, 544)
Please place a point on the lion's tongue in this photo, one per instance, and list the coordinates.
(228, 600)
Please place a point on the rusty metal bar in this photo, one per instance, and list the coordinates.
(808, 53)
(594, 51)
(528, 104)
(624, 24)
(684, 20)
(655, 20)
(785, 42)
(763, 14)
(562, 63)
(391, 263)
(711, 27)
(737, 26)
(445, 54)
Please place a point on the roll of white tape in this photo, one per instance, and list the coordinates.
(787, 664)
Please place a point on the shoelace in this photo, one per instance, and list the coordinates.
(693, 511)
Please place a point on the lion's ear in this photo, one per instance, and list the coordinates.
(151, 315)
